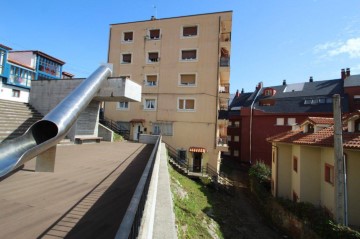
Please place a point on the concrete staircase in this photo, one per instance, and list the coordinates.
(16, 118)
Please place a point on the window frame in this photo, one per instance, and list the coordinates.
(145, 104)
(329, 176)
(121, 108)
(187, 85)
(278, 121)
(289, 121)
(147, 82)
(148, 61)
(295, 163)
(122, 58)
(123, 40)
(15, 93)
(188, 26)
(154, 38)
(184, 104)
(181, 59)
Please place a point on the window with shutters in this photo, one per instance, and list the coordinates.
(151, 80)
(189, 31)
(185, 104)
(126, 58)
(189, 55)
(128, 36)
(329, 174)
(154, 34)
(153, 57)
(187, 80)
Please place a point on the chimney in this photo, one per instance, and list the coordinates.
(347, 72)
(153, 18)
(343, 74)
(284, 82)
(242, 91)
(311, 79)
(259, 86)
(237, 94)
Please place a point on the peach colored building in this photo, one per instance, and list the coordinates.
(183, 65)
(303, 164)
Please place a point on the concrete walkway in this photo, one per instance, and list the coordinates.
(86, 196)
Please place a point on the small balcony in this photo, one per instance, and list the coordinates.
(222, 144)
(224, 61)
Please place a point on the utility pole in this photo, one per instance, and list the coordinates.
(340, 204)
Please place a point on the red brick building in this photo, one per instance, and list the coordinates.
(268, 111)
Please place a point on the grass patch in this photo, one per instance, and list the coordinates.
(192, 208)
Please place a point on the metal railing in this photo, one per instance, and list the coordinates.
(115, 127)
(130, 225)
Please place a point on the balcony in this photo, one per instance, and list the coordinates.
(222, 144)
(225, 37)
(224, 61)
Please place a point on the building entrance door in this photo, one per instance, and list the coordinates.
(197, 162)
(137, 131)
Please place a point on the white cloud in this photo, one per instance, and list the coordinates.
(350, 47)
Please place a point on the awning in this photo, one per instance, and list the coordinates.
(137, 121)
(197, 150)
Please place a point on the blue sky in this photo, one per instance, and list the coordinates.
(272, 40)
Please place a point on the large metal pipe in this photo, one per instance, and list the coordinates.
(48, 131)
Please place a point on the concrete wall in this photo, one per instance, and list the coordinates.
(105, 133)
(148, 139)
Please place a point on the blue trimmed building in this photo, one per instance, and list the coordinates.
(19, 68)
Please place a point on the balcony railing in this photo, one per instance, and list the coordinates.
(224, 88)
(222, 141)
(225, 37)
(225, 61)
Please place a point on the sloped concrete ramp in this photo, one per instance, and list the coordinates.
(86, 196)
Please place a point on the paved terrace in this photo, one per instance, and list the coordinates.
(86, 197)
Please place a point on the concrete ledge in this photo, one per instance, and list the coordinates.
(148, 138)
(80, 139)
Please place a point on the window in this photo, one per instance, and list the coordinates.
(295, 163)
(182, 154)
(123, 105)
(190, 31)
(153, 57)
(236, 153)
(151, 80)
(314, 101)
(329, 174)
(357, 99)
(307, 101)
(329, 100)
(126, 58)
(310, 128)
(154, 34)
(236, 138)
(322, 100)
(291, 121)
(188, 55)
(187, 79)
(237, 124)
(20, 76)
(186, 104)
(163, 128)
(357, 125)
(128, 36)
(280, 121)
(150, 104)
(229, 138)
(268, 92)
(2, 60)
(16, 93)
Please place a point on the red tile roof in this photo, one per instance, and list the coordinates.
(324, 137)
(321, 120)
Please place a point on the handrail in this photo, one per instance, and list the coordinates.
(129, 227)
(115, 127)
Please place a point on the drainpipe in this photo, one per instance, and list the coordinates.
(251, 118)
(217, 87)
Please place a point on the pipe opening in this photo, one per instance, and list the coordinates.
(44, 130)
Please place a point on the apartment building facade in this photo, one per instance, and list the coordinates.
(19, 68)
(183, 65)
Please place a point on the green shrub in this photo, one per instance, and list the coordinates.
(261, 172)
(117, 137)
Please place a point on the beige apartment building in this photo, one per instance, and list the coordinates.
(183, 65)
